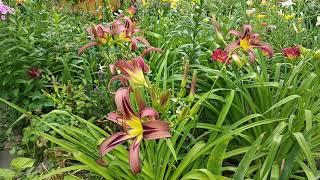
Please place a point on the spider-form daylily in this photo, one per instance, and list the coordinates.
(136, 126)
(122, 30)
(133, 70)
(247, 42)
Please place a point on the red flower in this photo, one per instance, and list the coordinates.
(220, 56)
(291, 52)
(34, 72)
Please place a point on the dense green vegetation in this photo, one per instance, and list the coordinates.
(180, 89)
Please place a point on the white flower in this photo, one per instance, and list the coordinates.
(250, 11)
(249, 2)
(281, 13)
(287, 3)
(318, 21)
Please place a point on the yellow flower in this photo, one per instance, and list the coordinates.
(264, 2)
(289, 16)
(172, 2)
(260, 16)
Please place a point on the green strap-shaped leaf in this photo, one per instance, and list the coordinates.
(246, 160)
(91, 163)
(216, 157)
(187, 159)
(305, 148)
(267, 165)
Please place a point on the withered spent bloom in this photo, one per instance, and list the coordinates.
(34, 72)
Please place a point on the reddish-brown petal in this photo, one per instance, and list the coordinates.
(150, 49)
(140, 61)
(247, 29)
(251, 56)
(116, 118)
(83, 48)
(235, 33)
(155, 125)
(156, 134)
(232, 46)
(124, 66)
(134, 43)
(143, 41)
(129, 26)
(111, 142)
(117, 27)
(134, 159)
(149, 113)
(266, 48)
(121, 78)
(122, 100)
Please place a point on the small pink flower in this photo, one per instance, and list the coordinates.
(3, 17)
(291, 52)
(220, 56)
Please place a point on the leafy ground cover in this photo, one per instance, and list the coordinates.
(180, 89)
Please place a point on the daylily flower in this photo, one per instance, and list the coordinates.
(136, 126)
(260, 16)
(220, 56)
(100, 35)
(34, 72)
(131, 11)
(247, 42)
(132, 70)
(291, 52)
(123, 30)
(289, 16)
(287, 3)
(131, 33)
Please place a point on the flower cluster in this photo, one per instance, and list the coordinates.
(4, 11)
(137, 125)
(119, 31)
(246, 43)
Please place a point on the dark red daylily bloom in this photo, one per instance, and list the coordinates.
(248, 41)
(137, 126)
(132, 70)
(34, 72)
(220, 56)
(291, 52)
